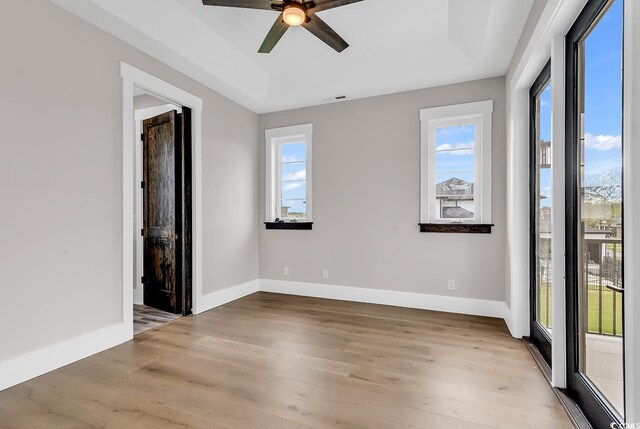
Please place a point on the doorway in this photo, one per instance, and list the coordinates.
(135, 80)
(163, 213)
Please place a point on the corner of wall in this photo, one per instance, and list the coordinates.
(224, 296)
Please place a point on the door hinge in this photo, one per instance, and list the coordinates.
(142, 232)
(142, 184)
(142, 137)
(142, 279)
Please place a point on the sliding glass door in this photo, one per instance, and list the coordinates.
(541, 206)
(595, 256)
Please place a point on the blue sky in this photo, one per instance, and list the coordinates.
(455, 153)
(294, 174)
(603, 102)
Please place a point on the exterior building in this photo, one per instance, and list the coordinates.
(455, 199)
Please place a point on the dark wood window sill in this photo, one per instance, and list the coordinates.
(461, 228)
(289, 225)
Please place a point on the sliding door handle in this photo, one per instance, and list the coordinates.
(615, 288)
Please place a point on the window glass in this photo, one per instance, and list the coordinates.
(293, 174)
(600, 226)
(543, 206)
(455, 172)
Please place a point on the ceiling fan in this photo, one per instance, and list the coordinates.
(293, 13)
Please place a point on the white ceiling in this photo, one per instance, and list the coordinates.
(395, 46)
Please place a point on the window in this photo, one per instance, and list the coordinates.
(289, 174)
(456, 164)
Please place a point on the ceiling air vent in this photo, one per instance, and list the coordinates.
(336, 98)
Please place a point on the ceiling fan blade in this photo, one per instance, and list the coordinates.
(322, 31)
(330, 4)
(273, 37)
(247, 4)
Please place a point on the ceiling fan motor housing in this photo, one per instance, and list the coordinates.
(294, 14)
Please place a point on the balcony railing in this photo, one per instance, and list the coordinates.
(603, 277)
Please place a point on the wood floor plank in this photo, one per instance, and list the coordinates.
(283, 362)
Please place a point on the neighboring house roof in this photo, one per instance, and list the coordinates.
(454, 188)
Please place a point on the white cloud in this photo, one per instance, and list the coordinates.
(456, 148)
(602, 142)
(297, 175)
(291, 186)
(292, 158)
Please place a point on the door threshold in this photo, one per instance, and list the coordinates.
(146, 318)
(574, 413)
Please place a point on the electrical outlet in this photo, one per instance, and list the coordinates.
(325, 274)
(451, 284)
(285, 271)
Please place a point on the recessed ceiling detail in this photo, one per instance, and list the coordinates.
(414, 44)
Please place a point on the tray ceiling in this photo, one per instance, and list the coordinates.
(395, 46)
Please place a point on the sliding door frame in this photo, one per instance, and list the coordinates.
(597, 410)
(631, 112)
(538, 334)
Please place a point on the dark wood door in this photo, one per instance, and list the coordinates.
(160, 135)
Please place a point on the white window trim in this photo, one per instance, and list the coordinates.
(275, 138)
(479, 114)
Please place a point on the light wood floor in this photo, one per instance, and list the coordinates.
(277, 361)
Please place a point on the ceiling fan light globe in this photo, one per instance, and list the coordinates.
(294, 15)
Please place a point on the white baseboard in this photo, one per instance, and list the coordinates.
(138, 295)
(33, 364)
(508, 319)
(450, 304)
(224, 296)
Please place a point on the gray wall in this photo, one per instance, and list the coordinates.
(366, 170)
(61, 177)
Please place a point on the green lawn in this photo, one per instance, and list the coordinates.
(607, 310)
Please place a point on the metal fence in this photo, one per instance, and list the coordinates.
(603, 274)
